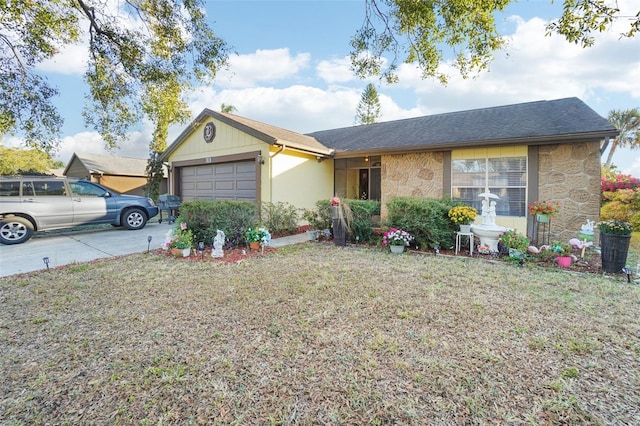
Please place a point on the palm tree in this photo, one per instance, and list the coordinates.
(628, 123)
(227, 108)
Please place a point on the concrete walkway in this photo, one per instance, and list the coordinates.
(78, 247)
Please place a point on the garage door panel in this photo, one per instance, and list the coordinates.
(226, 181)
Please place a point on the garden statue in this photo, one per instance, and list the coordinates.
(488, 231)
(218, 243)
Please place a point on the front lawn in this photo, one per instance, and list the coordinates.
(316, 334)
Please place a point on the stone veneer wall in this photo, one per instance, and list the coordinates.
(570, 174)
(411, 175)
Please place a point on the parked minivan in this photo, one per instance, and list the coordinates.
(41, 203)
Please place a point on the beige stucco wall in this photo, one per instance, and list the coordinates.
(411, 175)
(299, 179)
(570, 174)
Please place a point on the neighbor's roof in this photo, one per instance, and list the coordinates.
(265, 132)
(561, 120)
(110, 165)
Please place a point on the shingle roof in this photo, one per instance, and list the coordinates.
(534, 122)
(265, 132)
(111, 165)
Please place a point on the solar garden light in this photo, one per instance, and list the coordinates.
(46, 261)
(149, 238)
(627, 271)
(201, 248)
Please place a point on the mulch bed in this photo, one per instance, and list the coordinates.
(590, 263)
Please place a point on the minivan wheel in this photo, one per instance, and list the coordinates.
(134, 219)
(15, 230)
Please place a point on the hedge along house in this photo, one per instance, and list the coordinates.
(546, 150)
(221, 156)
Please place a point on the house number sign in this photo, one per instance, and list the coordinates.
(209, 132)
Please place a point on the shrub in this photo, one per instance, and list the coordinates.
(511, 239)
(635, 222)
(280, 218)
(362, 212)
(426, 218)
(205, 217)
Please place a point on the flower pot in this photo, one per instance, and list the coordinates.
(186, 252)
(542, 218)
(465, 228)
(613, 252)
(176, 252)
(312, 234)
(397, 249)
(564, 261)
(254, 245)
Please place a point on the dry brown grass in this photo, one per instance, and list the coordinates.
(315, 334)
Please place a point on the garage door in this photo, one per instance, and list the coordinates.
(225, 181)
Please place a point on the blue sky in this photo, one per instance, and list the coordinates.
(291, 69)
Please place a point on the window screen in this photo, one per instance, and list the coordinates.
(504, 176)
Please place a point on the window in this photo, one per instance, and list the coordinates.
(49, 188)
(505, 176)
(10, 188)
(86, 189)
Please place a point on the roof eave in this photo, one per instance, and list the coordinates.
(547, 140)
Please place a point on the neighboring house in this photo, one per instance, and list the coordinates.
(121, 174)
(546, 150)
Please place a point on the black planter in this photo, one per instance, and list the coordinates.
(613, 252)
(339, 233)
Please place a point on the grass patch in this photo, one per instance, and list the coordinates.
(317, 334)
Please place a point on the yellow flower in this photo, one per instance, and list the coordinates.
(462, 215)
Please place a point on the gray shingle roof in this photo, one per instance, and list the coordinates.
(533, 122)
(111, 165)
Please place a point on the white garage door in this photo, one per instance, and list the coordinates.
(224, 181)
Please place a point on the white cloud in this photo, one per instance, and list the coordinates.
(335, 70)
(72, 60)
(262, 66)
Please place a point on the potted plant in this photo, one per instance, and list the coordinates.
(313, 217)
(463, 216)
(181, 243)
(257, 236)
(513, 244)
(562, 252)
(397, 239)
(615, 236)
(542, 210)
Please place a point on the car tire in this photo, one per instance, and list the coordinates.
(15, 230)
(134, 219)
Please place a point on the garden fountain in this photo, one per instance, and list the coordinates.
(488, 231)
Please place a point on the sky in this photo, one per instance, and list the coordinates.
(290, 68)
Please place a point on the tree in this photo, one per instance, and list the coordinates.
(142, 57)
(369, 106)
(417, 32)
(14, 161)
(628, 123)
(227, 108)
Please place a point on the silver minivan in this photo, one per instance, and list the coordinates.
(40, 203)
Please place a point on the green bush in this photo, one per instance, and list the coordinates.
(321, 214)
(279, 218)
(205, 217)
(362, 219)
(635, 222)
(425, 218)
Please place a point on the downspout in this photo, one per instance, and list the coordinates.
(282, 148)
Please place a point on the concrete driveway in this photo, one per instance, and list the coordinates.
(78, 247)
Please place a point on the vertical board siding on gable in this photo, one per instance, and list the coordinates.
(228, 141)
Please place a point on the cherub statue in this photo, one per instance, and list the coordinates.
(218, 243)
